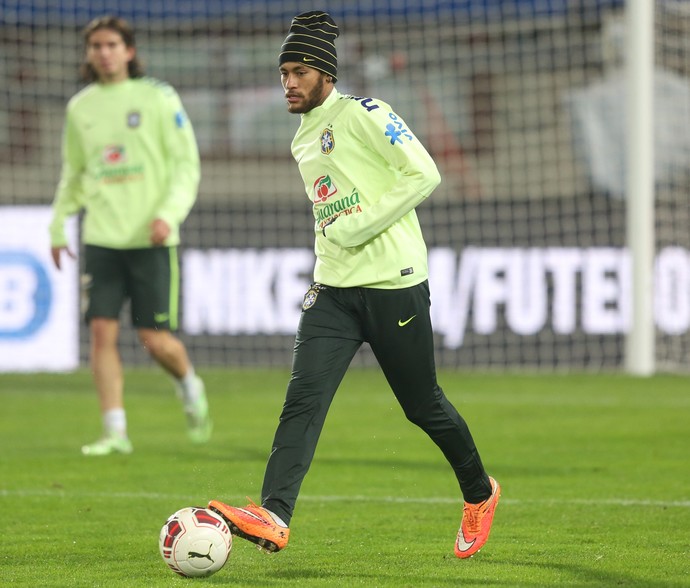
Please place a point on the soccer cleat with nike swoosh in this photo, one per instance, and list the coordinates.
(254, 523)
(476, 523)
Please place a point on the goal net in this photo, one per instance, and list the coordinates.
(520, 102)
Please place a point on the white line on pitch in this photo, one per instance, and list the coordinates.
(59, 493)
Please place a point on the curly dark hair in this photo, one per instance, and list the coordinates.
(124, 29)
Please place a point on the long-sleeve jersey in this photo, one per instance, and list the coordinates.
(129, 156)
(365, 172)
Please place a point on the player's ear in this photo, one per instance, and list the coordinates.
(329, 79)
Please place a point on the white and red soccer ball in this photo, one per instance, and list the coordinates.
(195, 542)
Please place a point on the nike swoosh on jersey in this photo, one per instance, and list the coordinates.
(402, 323)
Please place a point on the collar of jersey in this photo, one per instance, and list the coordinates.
(327, 103)
(116, 87)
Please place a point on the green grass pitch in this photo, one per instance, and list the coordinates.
(595, 471)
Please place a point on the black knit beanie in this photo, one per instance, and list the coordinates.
(311, 41)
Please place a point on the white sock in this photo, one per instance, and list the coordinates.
(276, 518)
(188, 387)
(115, 422)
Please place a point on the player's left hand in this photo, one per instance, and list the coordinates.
(159, 231)
(56, 253)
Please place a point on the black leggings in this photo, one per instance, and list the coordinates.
(397, 325)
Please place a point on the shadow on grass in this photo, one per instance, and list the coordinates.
(581, 575)
(533, 574)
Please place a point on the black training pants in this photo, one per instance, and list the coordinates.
(334, 324)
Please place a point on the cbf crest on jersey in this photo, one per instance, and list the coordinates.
(133, 119)
(327, 141)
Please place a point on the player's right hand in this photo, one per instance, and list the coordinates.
(55, 253)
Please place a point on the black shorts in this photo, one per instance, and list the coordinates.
(149, 278)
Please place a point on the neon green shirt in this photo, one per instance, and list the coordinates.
(129, 157)
(365, 172)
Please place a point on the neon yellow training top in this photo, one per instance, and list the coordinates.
(129, 157)
(365, 172)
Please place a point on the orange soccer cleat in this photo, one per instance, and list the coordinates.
(254, 523)
(476, 523)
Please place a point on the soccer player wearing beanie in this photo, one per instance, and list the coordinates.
(365, 172)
